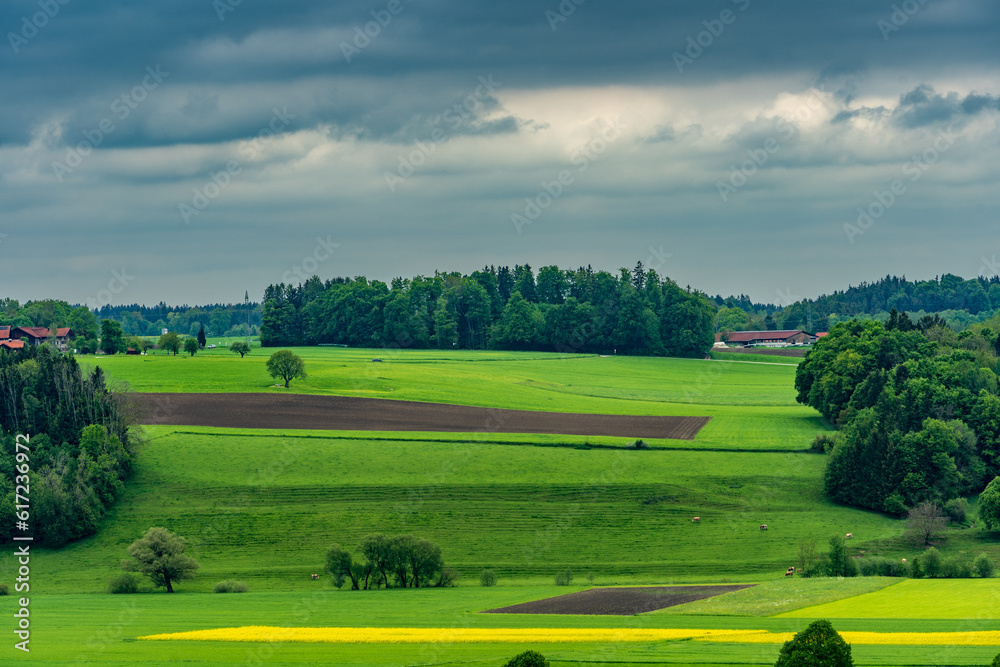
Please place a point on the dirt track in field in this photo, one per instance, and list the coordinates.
(618, 601)
(301, 411)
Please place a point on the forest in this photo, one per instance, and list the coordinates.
(918, 406)
(582, 310)
(81, 443)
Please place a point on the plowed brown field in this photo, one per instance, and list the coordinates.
(300, 411)
(618, 601)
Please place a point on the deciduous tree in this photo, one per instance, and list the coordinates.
(239, 347)
(989, 504)
(819, 645)
(171, 342)
(159, 554)
(925, 522)
(287, 365)
(112, 337)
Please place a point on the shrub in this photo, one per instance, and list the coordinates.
(4, 589)
(527, 659)
(488, 578)
(996, 661)
(957, 510)
(983, 566)
(124, 583)
(818, 644)
(956, 567)
(930, 561)
(878, 566)
(639, 444)
(564, 578)
(822, 444)
(231, 586)
(446, 578)
(916, 569)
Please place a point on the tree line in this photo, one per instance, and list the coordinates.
(960, 301)
(917, 406)
(81, 443)
(582, 310)
(402, 561)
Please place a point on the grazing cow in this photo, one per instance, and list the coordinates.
(697, 519)
(790, 572)
(763, 526)
(904, 560)
(849, 535)
(314, 576)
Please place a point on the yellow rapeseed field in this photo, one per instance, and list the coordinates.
(261, 633)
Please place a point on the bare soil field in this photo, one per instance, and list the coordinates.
(301, 411)
(619, 601)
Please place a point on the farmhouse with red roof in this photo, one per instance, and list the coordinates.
(7, 342)
(767, 338)
(11, 337)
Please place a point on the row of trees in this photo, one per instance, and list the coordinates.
(918, 407)
(402, 561)
(635, 312)
(81, 443)
(217, 319)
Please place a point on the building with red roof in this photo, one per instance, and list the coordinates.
(767, 338)
(36, 336)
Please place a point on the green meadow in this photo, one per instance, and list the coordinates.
(265, 508)
(935, 598)
(752, 406)
(262, 506)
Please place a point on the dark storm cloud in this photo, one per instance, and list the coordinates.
(922, 107)
(229, 73)
(702, 85)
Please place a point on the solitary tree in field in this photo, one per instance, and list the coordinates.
(240, 348)
(201, 337)
(818, 645)
(159, 554)
(171, 342)
(527, 659)
(924, 523)
(190, 346)
(287, 365)
(989, 504)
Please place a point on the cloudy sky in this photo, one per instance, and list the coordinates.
(188, 150)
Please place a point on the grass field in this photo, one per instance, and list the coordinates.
(100, 630)
(752, 406)
(970, 599)
(264, 509)
(262, 506)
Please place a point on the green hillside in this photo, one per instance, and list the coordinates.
(262, 507)
(752, 405)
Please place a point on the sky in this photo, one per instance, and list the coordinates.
(193, 150)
